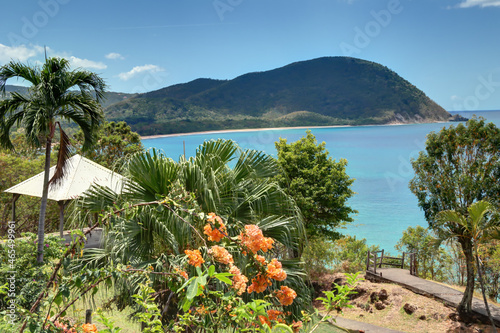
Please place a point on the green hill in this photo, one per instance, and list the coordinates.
(323, 91)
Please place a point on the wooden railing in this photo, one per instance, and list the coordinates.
(377, 259)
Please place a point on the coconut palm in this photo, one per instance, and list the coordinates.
(480, 225)
(233, 183)
(56, 93)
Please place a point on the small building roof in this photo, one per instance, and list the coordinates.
(81, 173)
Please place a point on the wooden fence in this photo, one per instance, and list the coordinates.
(377, 259)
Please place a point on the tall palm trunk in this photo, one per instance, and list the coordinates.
(43, 205)
(465, 306)
(479, 271)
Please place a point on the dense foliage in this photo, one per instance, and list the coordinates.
(460, 166)
(163, 209)
(432, 260)
(56, 93)
(319, 184)
(324, 91)
(116, 142)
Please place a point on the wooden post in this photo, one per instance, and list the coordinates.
(15, 196)
(403, 261)
(375, 263)
(381, 259)
(62, 205)
(88, 316)
(368, 261)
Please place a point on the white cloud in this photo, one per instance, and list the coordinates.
(114, 56)
(138, 70)
(456, 98)
(18, 53)
(85, 63)
(479, 3)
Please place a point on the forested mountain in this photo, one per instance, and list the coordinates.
(323, 91)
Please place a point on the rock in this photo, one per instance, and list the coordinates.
(373, 297)
(409, 309)
(454, 316)
(358, 292)
(383, 295)
(422, 317)
(435, 316)
(379, 305)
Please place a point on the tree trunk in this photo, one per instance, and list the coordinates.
(484, 294)
(465, 306)
(43, 206)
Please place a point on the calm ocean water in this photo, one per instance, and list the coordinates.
(379, 159)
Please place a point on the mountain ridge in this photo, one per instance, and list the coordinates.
(321, 91)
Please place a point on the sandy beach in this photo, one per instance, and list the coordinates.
(269, 129)
(264, 129)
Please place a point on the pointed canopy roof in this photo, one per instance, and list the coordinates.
(81, 173)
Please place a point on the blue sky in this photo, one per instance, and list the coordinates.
(448, 48)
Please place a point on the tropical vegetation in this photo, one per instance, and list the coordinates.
(460, 166)
(56, 93)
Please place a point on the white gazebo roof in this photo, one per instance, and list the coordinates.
(81, 173)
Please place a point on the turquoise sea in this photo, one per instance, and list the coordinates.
(378, 158)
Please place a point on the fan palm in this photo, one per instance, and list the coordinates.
(221, 178)
(56, 93)
(480, 225)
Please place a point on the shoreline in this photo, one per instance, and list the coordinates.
(147, 137)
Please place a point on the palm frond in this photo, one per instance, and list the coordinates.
(62, 158)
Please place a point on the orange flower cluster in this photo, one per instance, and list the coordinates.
(274, 314)
(89, 328)
(296, 326)
(264, 320)
(181, 273)
(286, 295)
(195, 258)
(214, 235)
(259, 284)
(221, 254)
(260, 259)
(239, 280)
(274, 270)
(254, 240)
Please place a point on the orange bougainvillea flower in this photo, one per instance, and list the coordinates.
(259, 284)
(273, 314)
(296, 326)
(264, 320)
(274, 270)
(260, 259)
(195, 258)
(286, 295)
(254, 240)
(239, 280)
(217, 233)
(89, 328)
(221, 254)
(181, 273)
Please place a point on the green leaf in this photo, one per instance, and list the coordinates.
(192, 290)
(224, 279)
(211, 271)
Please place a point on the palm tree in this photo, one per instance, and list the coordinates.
(480, 225)
(56, 93)
(221, 178)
